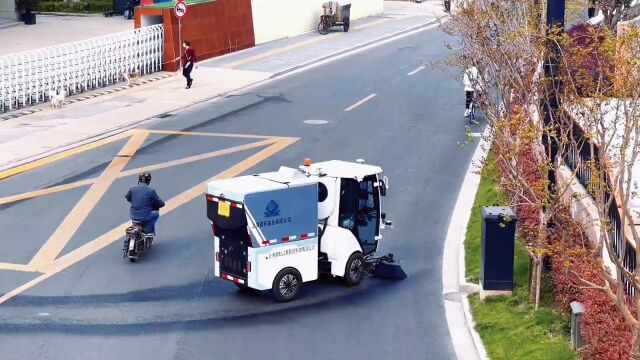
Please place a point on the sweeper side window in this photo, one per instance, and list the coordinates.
(360, 211)
(368, 214)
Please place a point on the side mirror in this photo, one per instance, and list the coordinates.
(384, 186)
(386, 223)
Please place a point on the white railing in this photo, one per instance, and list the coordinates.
(28, 78)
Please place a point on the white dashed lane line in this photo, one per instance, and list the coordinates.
(360, 102)
(420, 68)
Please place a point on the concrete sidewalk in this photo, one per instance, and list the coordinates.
(6, 23)
(48, 131)
(52, 30)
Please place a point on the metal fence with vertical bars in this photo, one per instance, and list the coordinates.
(580, 160)
(28, 78)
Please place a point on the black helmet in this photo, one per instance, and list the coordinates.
(144, 177)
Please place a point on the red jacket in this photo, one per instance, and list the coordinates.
(189, 56)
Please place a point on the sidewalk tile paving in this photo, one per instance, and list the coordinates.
(51, 30)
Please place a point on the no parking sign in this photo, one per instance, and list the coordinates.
(180, 9)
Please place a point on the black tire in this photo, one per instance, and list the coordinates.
(133, 255)
(345, 25)
(354, 271)
(323, 27)
(148, 242)
(125, 246)
(287, 285)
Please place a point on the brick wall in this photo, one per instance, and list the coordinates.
(214, 28)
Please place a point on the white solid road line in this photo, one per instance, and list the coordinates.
(360, 102)
(420, 68)
(358, 50)
(466, 341)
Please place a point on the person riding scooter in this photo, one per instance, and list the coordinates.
(145, 203)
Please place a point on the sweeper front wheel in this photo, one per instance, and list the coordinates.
(354, 271)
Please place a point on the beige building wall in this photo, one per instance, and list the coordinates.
(7, 9)
(276, 19)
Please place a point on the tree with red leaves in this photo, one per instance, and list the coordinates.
(597, 85)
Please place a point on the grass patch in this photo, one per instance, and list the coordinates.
(508, 326)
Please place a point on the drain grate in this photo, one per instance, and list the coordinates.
(165, 115)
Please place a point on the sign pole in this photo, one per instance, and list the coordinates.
(180, 38)
(180, 10)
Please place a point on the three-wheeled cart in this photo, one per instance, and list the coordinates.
(334, 15)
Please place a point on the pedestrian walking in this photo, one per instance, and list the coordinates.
(470, 81)
(188, 62)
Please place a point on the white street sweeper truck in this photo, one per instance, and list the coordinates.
(278, 230)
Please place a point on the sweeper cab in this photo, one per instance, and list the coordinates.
(278, 230)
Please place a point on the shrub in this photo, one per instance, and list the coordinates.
(93, 6)
(59, 6)
(99, 6)
(606, 335)
(593, 48)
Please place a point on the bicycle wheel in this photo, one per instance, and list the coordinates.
(324, 27)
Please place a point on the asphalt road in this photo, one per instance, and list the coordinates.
(169, 306)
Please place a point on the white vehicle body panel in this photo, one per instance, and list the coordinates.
(216, 249)
(344, 169)
(338, 244)
(268, 261)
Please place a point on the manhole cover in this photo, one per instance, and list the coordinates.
(453, 296)
(316, 122)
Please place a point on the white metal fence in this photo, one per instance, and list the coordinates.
(28, 78)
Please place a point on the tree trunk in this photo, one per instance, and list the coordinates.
(635, 347)
(531, 277)
(534, 279)
(538, 281)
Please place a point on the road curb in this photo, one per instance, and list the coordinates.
(353, 49)
(86, 96)
(52, 13)
(465, 339)
(10, 25)
(20, 162)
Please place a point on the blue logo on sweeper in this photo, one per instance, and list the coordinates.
(272, 209)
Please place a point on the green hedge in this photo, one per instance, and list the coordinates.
(100, 6)
(91, 6)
